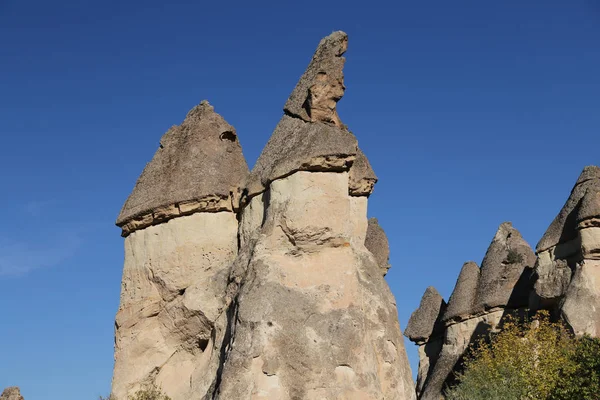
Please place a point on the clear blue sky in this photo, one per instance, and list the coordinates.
(471, 112)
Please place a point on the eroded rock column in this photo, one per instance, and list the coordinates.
(180, 233)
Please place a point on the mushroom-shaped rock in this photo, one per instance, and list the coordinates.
(505, 271)
(321, 86)
(377, 243)
(196, 168)
(461, 302)
(362, 177)
(589, 207)
(11, 393)
(425, 321)
(310, 136)
(564, 227)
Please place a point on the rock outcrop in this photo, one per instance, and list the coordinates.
(11, 393)
(181, 237)
(568, 265)
(481, 299)
(271, 285)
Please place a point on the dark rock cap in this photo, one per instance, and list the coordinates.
(201, 159)
(377, 243)
(461, 302)
(310, 137)
(425, 321)
(11, 393)
(589, 207)
(362, 178)
(564, 226)
(506, 271)
(322, 84)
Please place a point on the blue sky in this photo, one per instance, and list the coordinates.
(471, 112)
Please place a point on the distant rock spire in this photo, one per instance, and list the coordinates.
(11, 393)
(425, 321)
(196, 168)
(377, 243)
(505, 271)
(461, 302)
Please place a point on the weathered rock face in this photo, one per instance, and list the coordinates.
(281, 293)
(568, 258)
(11, 393)
(477, 306)
(329, 329)
(171, 320)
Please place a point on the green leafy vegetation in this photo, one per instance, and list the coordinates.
(537, 360)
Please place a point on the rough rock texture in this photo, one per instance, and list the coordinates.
(297, 145)
(462, 300)
(425, 321)
(322, 85)
(377, 243)
(479, 302)
(567, 264)
(11, 393)
(170, 323)
(196, 168)
(362, 176)
(329, 329)
(506, 271)
(276, 296)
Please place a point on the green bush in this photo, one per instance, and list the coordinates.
(582, 380)
(523, 361)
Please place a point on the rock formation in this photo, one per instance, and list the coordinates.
(568, 265)
(260, 285)
(481, 299)
(180, 233)
(11, 393)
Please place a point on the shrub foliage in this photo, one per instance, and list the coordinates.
(536, 360)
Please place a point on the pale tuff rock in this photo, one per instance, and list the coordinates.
(171, 319)
(196, 168)
(277, 295)
(506, 270)
(425, 321)
(11, 393)
(329, 329)
(462, 300)
(377, 243)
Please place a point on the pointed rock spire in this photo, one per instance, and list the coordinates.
(589, 207)
(564, 226)
(197, 166)
(461, 302)
(425, 321)
(322, 85)
(505, 271)
(310, 136)
(377, 243)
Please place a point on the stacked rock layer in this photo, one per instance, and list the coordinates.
(266, 284)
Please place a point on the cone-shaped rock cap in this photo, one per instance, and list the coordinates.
(377, 243)
(564, 226)
(198, 164)
(589, 206)
(461, 302)
(322, 84)
(11, 393)
(505, 271)
(362, 177)
(310, 136)
(425, 321)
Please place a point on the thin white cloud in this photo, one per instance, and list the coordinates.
(21, 257)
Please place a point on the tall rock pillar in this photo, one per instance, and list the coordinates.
(180, 233)
(312, 316)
